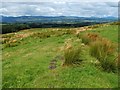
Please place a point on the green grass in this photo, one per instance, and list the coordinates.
(26, 65)
(110, 32)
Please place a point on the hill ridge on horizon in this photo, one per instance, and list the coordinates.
(56, 19)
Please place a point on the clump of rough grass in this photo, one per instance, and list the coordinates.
(8, 35)
(104, 51)
(70, 32)
(72, 52)
(41, 35)
(11, 43)
(5, 40)
(89, 37)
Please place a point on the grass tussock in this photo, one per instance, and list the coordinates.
(8, 35)
(105, 52)
(41, 35)
(10, 42)
(70, 31)
(89, 37)
(72, 52)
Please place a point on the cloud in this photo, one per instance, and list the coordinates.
(112, 4)
(59, 0)
(84, 9)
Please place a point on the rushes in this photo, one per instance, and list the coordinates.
(41, 35)
(89, 37)
(100, 48)
(72, 52)
(104, 51)
(71, 55)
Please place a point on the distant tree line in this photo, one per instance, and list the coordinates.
(8, 28)
(14, 27)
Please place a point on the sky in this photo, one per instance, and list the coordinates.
(88, 8)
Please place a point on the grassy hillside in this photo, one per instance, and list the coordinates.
(28, 56)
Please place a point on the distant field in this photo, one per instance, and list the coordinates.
(27, 57)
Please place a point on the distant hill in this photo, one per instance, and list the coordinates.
(55, 19)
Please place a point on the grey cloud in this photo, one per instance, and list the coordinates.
(112, 4)
(59, 8)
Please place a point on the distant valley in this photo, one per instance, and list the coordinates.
(56, 19)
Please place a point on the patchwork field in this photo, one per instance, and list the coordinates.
(36, 59)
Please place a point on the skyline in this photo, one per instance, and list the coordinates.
(80, 9)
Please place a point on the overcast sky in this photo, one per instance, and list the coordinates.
(95, 8)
